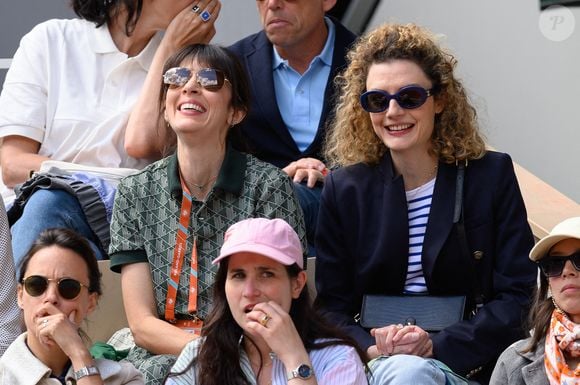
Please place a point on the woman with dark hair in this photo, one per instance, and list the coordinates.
(66, 109)
(59, 286)
(261, 325)
(552, 354)
(420, 207)
(169, 219)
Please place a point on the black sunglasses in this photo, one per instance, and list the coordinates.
(554, 266)
(407, 97)
(208, 78)
(68, 288)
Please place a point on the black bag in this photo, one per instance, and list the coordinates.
(431, 313)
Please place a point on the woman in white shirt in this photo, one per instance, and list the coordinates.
(68, 96)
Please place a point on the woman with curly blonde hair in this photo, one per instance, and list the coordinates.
(417, 206)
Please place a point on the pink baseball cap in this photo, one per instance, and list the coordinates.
(272, 238)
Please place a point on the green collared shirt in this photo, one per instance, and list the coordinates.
(146, 215)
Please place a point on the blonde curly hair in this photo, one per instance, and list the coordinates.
(352, 139)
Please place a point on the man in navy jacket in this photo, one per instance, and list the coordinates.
(292, 63)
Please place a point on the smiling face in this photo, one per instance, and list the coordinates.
(253, 278)
(566, 287)
(55, 262)
(291, 23)
(404, 131)
(193, 109)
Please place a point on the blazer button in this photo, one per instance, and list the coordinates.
(478, 254)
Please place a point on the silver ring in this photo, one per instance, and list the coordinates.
(196, 9)
(205, 16)
(44, 323)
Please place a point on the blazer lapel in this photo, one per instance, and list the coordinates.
(395, 229)
(440, 217)
(342, 42)
(262, 81)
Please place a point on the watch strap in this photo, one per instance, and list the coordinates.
(86, 371)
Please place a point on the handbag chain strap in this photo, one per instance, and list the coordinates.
(458, 220)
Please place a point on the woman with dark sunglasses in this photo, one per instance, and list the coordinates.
(169, 220)
(552, 354)
(420, 207)
(59, 286)
(77, 93)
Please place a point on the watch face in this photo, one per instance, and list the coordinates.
(304, 371)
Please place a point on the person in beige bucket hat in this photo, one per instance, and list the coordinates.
(552, 354)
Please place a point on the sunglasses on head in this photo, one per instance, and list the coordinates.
(407, 97)
(68, 288)
(554, 266)
(208, 78)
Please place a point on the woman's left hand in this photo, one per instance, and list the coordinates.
(188, 27)
(311, 169)
(276, 327)
(399, 339)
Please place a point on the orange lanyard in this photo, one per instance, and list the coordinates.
(178, 257)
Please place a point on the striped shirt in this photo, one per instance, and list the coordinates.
(418, 206)
(338, 364)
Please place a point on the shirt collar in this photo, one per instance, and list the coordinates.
(102, 43)
(230, 177)
(325, 55)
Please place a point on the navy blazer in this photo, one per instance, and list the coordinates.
(264, 132)
(362, 248)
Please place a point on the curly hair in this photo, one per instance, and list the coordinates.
(352, 138)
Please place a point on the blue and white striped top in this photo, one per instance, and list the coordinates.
(339, 364)
(419, 206)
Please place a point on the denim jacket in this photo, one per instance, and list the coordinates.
(516, 368)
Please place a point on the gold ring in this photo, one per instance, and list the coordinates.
(264, 320)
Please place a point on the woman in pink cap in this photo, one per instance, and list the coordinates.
(552, 354)
(262, 326)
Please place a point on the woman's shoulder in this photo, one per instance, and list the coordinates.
(66, 28)
(152, 171)
(118, 373)
(516, 352)
(257, 170)
(491, 159)
(335, 352)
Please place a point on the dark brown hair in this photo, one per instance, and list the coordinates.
(540, 314)
(222, 335)
(219, 58)
(103, 12)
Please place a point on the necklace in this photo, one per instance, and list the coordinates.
(202, 187)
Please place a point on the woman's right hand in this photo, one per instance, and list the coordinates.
(189, 28)
(399, 339)
(55, 327)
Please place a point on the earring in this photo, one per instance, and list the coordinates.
(557, 307)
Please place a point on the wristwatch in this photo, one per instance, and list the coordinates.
(302, 372)
(86, 371)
